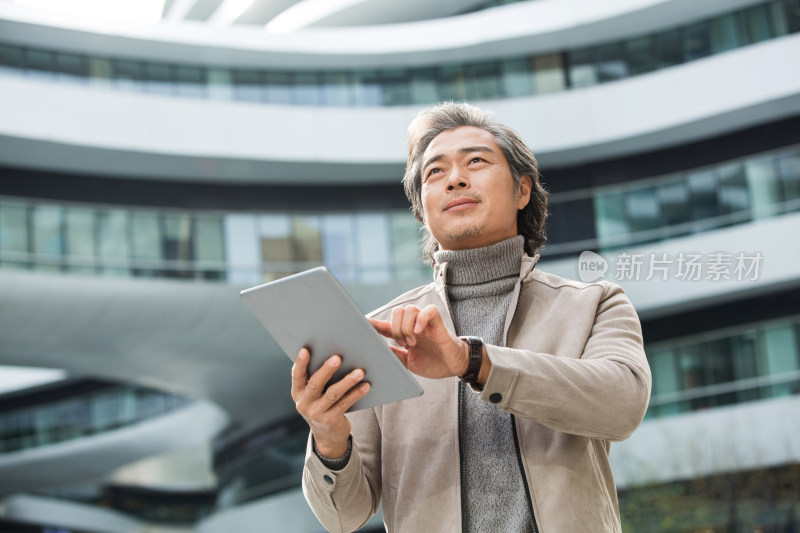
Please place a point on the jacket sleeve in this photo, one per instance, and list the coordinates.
(603, 393)
(344, 500)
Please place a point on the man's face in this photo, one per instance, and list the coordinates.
(468, 195)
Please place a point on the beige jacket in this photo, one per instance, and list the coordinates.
(573, 374)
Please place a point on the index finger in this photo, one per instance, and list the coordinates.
(382, 326)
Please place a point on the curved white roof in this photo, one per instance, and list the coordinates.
(538, 26)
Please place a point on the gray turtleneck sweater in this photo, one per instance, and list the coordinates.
(480, 283)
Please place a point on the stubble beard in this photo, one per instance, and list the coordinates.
(465, 232)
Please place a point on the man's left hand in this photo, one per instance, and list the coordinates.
(427, 347)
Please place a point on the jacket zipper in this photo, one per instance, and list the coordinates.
(514, 428)
(522, 473)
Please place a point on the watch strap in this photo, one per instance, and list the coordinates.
(475, 358)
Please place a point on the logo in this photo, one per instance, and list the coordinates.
(591, 267)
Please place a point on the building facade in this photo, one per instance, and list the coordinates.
(151, 170)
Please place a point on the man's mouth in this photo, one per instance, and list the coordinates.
(457, 204)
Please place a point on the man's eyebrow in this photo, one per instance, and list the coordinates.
(465, 150)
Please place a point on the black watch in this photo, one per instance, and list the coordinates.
(475, 359)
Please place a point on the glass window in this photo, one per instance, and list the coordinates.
(697, 41)
(405, 247)
(129, 74)
(609, 209)
(692, 367)
(484, 81)
(516, 77)
(610, 63)
(452, 83)
(570, 221)
(368, 90)
(248, 85)
(10, 58)
(670, 48)
(307, 240)
(706, 364)
(792, 14)
(81, 239)
(191, 81)
(726, 34)
(756, 24)
(582, 70)
(278, 88)
(220, 84)
(71, 67)
(733, 195)
(745, 361)
(777, 18)
(13, 234)
(307, 88)
(548, 73)
(100, 70)
(674, 200)
(640, 53)
(373, 248)
(276, 245)
(147, 248)
(422, 86)
(720, 369)
(558, 223)
(209, 246)
(40, 63)
(114, 245)
(178, 245)
(244, 254)
(338, 246)
(159, 78)
(703, 187)
(780, 351)
(336, 89)
(665, 372)
(641, 206)
(789, 168)
(395, 87)
(763, 186)
(48, 240)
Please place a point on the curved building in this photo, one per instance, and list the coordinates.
(156, 161)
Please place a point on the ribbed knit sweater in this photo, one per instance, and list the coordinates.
(479, 284)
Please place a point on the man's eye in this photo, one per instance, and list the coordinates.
(476, 160)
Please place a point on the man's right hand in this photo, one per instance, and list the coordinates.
(324, 409)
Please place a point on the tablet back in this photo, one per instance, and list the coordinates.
(312, 309)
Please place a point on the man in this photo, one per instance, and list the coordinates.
(512, 433)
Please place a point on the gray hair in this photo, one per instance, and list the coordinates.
(432, 121)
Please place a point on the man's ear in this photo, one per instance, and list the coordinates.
(524, 191)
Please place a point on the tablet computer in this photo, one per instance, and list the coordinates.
(312, 309)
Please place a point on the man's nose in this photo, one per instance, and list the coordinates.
(457, 180)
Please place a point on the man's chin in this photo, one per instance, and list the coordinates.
(465, 233)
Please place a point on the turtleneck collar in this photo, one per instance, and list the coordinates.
(481, 265)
